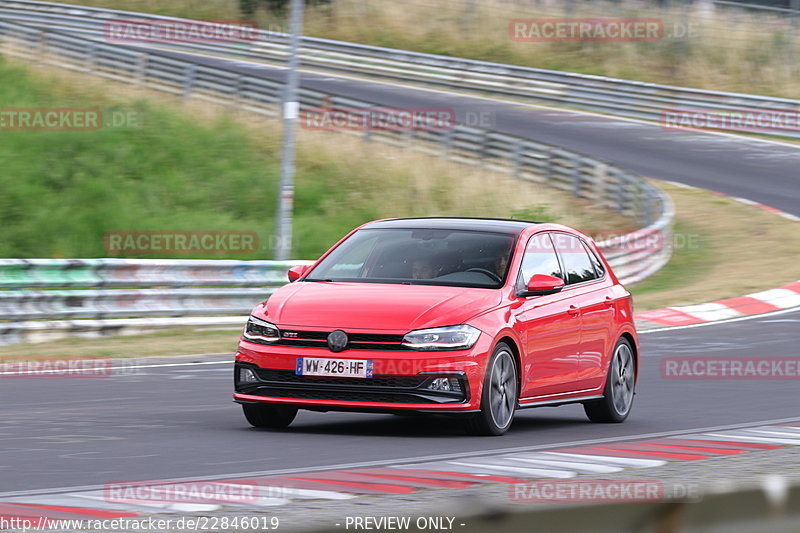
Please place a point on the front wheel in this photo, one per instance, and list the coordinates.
(269, 416)
(615, 406)
(499, 399)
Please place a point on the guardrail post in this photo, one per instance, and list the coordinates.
(577, 178)
(238, 95)
(621, 191)
(42, 45)
(141, 70)
(516, 158)
(91, 60)
(600, 179)
(482, 148)
(447, 141)
(548, 163)
(648, 207)
(189, 77)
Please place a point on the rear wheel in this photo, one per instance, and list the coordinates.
(615, 406)
(269, 416)
(499, 399)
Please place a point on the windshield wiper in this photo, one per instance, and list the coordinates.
(318, 279)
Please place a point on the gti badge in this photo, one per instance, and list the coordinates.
(337, 340)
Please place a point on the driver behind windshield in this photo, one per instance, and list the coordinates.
(423, 269)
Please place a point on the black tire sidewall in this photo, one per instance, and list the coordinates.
(486, 412)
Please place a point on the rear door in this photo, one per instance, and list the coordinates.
(590, 290)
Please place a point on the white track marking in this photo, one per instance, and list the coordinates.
(499, 466)
(584, 468)
(710, 312)
(681, 185)
(744, 200)
(783, 298)
(726, 321)
(764, 439)
(625, 462)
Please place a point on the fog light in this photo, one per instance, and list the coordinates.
(246, 375)
(445, 384)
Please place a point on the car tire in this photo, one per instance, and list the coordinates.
(499, 398)
(617, 401)
(269, 416)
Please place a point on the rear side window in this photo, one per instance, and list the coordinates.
(598, 265)
(540, 258)
(578, 265)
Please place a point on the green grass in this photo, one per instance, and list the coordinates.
(63, 190)
(190, 166)
(688, 264)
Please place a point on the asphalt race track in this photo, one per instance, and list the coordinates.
(765, 172)
(179, 421)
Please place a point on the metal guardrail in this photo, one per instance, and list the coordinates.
(633, 256)
(51, 298)
(624, 98)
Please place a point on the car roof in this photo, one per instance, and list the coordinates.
(496, 225)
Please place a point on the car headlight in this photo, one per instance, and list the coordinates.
(460, 337)
(260, 331)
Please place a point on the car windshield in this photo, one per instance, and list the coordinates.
(419, 256)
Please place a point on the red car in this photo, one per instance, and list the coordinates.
(468, 316)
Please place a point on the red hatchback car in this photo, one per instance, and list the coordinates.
(468, 316)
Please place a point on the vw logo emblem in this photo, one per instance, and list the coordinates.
(337, 340)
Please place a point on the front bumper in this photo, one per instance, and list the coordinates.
(401, 380)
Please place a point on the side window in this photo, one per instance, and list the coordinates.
(599, 270)
(540, 258)
(577, 264)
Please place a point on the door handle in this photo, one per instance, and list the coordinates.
(573, 311)
(609, 301)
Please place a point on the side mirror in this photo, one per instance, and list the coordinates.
(541, 284)
(296, 272)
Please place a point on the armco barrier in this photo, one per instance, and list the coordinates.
(42, 299)
(135, 287)
(613, 96)
(606, 185)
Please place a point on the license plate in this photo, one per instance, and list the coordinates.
(343, 368)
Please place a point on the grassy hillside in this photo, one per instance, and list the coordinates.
(186, 166)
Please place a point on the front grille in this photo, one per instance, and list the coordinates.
(380, 388)
(357, 341)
